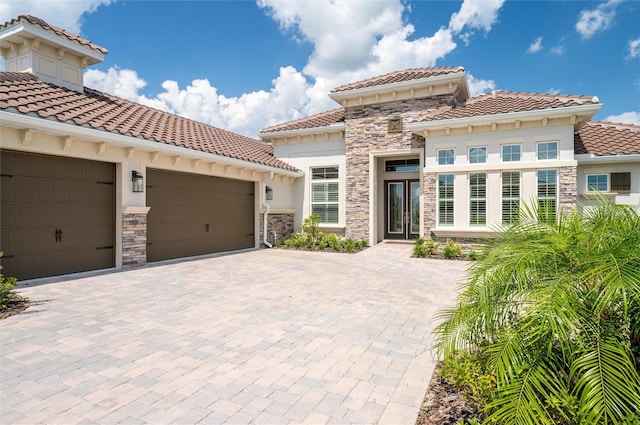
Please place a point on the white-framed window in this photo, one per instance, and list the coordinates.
(446, 156)
(510, 197)
(511, 153)
(445, 199)
(547, 195)
(478, 199)
(597, 182)
(547, 150)
(325, 191)
(477, 154)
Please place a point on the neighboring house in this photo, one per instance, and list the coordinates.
(411, 154)
(91, 181)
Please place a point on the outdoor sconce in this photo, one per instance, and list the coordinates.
(138, 181)
(269, 193)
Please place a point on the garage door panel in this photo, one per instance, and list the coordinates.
(58, 214)
(185, 206)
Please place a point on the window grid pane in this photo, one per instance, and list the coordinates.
(445, 199)
(548, 150)
(477, 155)
(510, 153)
(478, 199)
(445, 156)
(510, 197)
(597, 182)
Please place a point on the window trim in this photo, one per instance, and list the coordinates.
(445, 149)
(608, 182)
(313, 182)
(477, 147)
(519, 145)
(547, 142)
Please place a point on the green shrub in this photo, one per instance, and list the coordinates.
(297, 240)
(468, 373)
(311, 227)
(423, 247)
(452, 249)
(6, 286)
(349, 245)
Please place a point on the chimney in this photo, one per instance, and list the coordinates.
(29, 44)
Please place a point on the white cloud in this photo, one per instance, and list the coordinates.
(598, 19)
(200, 101)
(631, 117)
(558, 50)
(478, 86)
(536, 46)
(634, 48)
(554, 91)
(352, 40)
(65, 14)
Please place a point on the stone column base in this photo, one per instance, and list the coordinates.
(134, 236)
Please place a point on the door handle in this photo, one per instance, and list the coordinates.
(58, 235)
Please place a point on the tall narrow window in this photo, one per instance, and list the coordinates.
(325, 194)
(548, 150)
(477, 155)
(478, 199)
(510, 197)
(547, 195)
(445, 199)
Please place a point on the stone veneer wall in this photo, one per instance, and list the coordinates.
(366, 131)
(134, 238)
(430, 197)
(567, 189)
(282, 223)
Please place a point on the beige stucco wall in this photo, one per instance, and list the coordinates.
(606, 166)
(304, 156)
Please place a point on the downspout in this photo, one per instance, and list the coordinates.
(267, 208)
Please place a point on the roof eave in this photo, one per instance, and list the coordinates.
(584, 111)
(589, 158)
(49, 126)
(403, 85)
(22, 29)
(331, 128)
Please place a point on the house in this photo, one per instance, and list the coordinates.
(92, 181)
(411, 154)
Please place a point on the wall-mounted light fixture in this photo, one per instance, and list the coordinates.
(138, 181)
(269, 193)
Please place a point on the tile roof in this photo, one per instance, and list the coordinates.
(399, 76)
(322, 119)
(24, 93)
(502, 102)
(605, 138)
(58, 31)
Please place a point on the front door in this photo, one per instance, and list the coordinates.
(402, 209)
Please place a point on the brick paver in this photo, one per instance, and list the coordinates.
(264, 336)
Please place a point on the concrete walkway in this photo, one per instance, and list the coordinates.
(265, 337)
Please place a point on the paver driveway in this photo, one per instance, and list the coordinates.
(266, 336)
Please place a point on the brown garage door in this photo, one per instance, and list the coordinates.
(195, 215)
(57, 215)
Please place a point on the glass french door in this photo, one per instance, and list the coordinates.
(402, 209)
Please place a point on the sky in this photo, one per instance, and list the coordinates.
(246, 64)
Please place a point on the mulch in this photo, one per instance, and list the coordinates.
(443, 405)
(15, 305)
